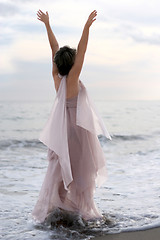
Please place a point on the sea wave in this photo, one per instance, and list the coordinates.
(35, 143)
(129, 137)
(14, 143)
(125, 137)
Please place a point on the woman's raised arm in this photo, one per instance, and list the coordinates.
(51, 37)
(82, 46)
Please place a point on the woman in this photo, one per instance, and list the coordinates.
(76, 160)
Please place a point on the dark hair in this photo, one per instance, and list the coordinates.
(64, 59)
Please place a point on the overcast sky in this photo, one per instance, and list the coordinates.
(123, 55)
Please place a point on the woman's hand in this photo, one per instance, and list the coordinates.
(43, 17)
(91, 18)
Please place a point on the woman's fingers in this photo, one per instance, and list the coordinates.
(92, 16)
(42, 16)
(93, 20)
(41, 11)
(94, 13)
(39, 15)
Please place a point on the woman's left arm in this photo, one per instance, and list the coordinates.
(51, 37)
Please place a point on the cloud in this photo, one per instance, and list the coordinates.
(140, 35)
(138, 20)
(141, 38)
(139, 12)
(7, 9)
(125, 30)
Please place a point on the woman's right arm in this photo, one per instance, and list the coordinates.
(82, 46)
(51, 37)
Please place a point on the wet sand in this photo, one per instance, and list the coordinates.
(151, 234)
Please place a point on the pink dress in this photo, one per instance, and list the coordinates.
(76, 159)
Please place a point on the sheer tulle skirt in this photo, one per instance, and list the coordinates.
(87, 159)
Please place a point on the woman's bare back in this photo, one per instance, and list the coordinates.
(72, 86)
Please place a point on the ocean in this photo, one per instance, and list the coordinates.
(130, 197)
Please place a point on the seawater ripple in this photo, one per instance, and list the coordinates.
(36, 143)
(15, 143)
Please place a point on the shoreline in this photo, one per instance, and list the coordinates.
(149, 234)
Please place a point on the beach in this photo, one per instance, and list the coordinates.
(151, 234)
